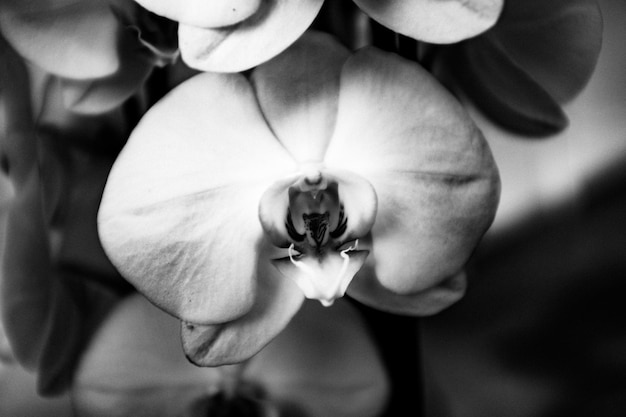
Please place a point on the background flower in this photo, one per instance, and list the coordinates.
(323, 364)
(539, 55)
(95, 49)
(56, 282)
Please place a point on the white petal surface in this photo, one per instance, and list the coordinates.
(434, 21)
(298, 92)
(179, 214)
(436, 181)
(203, 13)
(278, 299)
(276, 25)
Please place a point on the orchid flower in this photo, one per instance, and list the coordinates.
(232, 36)
(539, 55)
(325, 172)
(95, 47)
(324, 364)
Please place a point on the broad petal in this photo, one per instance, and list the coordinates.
(556, 42)
(298, 92)
(70, 38)
(134, 365)
(434, 21)
(325, 363)
(504, 91)
(275, 26)
(277, 301)
(202, 13)
(433, 172)
(179, 213)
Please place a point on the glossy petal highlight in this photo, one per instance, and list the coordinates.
(435, 178)
(179, 213)
(276, 25)
(434, 21)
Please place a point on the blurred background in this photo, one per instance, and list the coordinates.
(542, 329)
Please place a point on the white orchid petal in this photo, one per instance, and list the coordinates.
(202, 13)
(179, 212)
(435, 178)
(434, 21)
(247, 44)
(277, 301)
(298, 92)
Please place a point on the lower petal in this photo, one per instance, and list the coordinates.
(277, 300)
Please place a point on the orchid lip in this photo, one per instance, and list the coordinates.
(326, 277)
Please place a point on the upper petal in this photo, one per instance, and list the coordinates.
(179, 212)
(278, 299)
(275, 26)
(202, 13)
(433, 172)
(70, 38)
(434, 21)
(299, 91)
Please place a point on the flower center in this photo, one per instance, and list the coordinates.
(318, 228)
(315, 217)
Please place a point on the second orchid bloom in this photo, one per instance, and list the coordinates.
(231, 36)
(324, 172)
